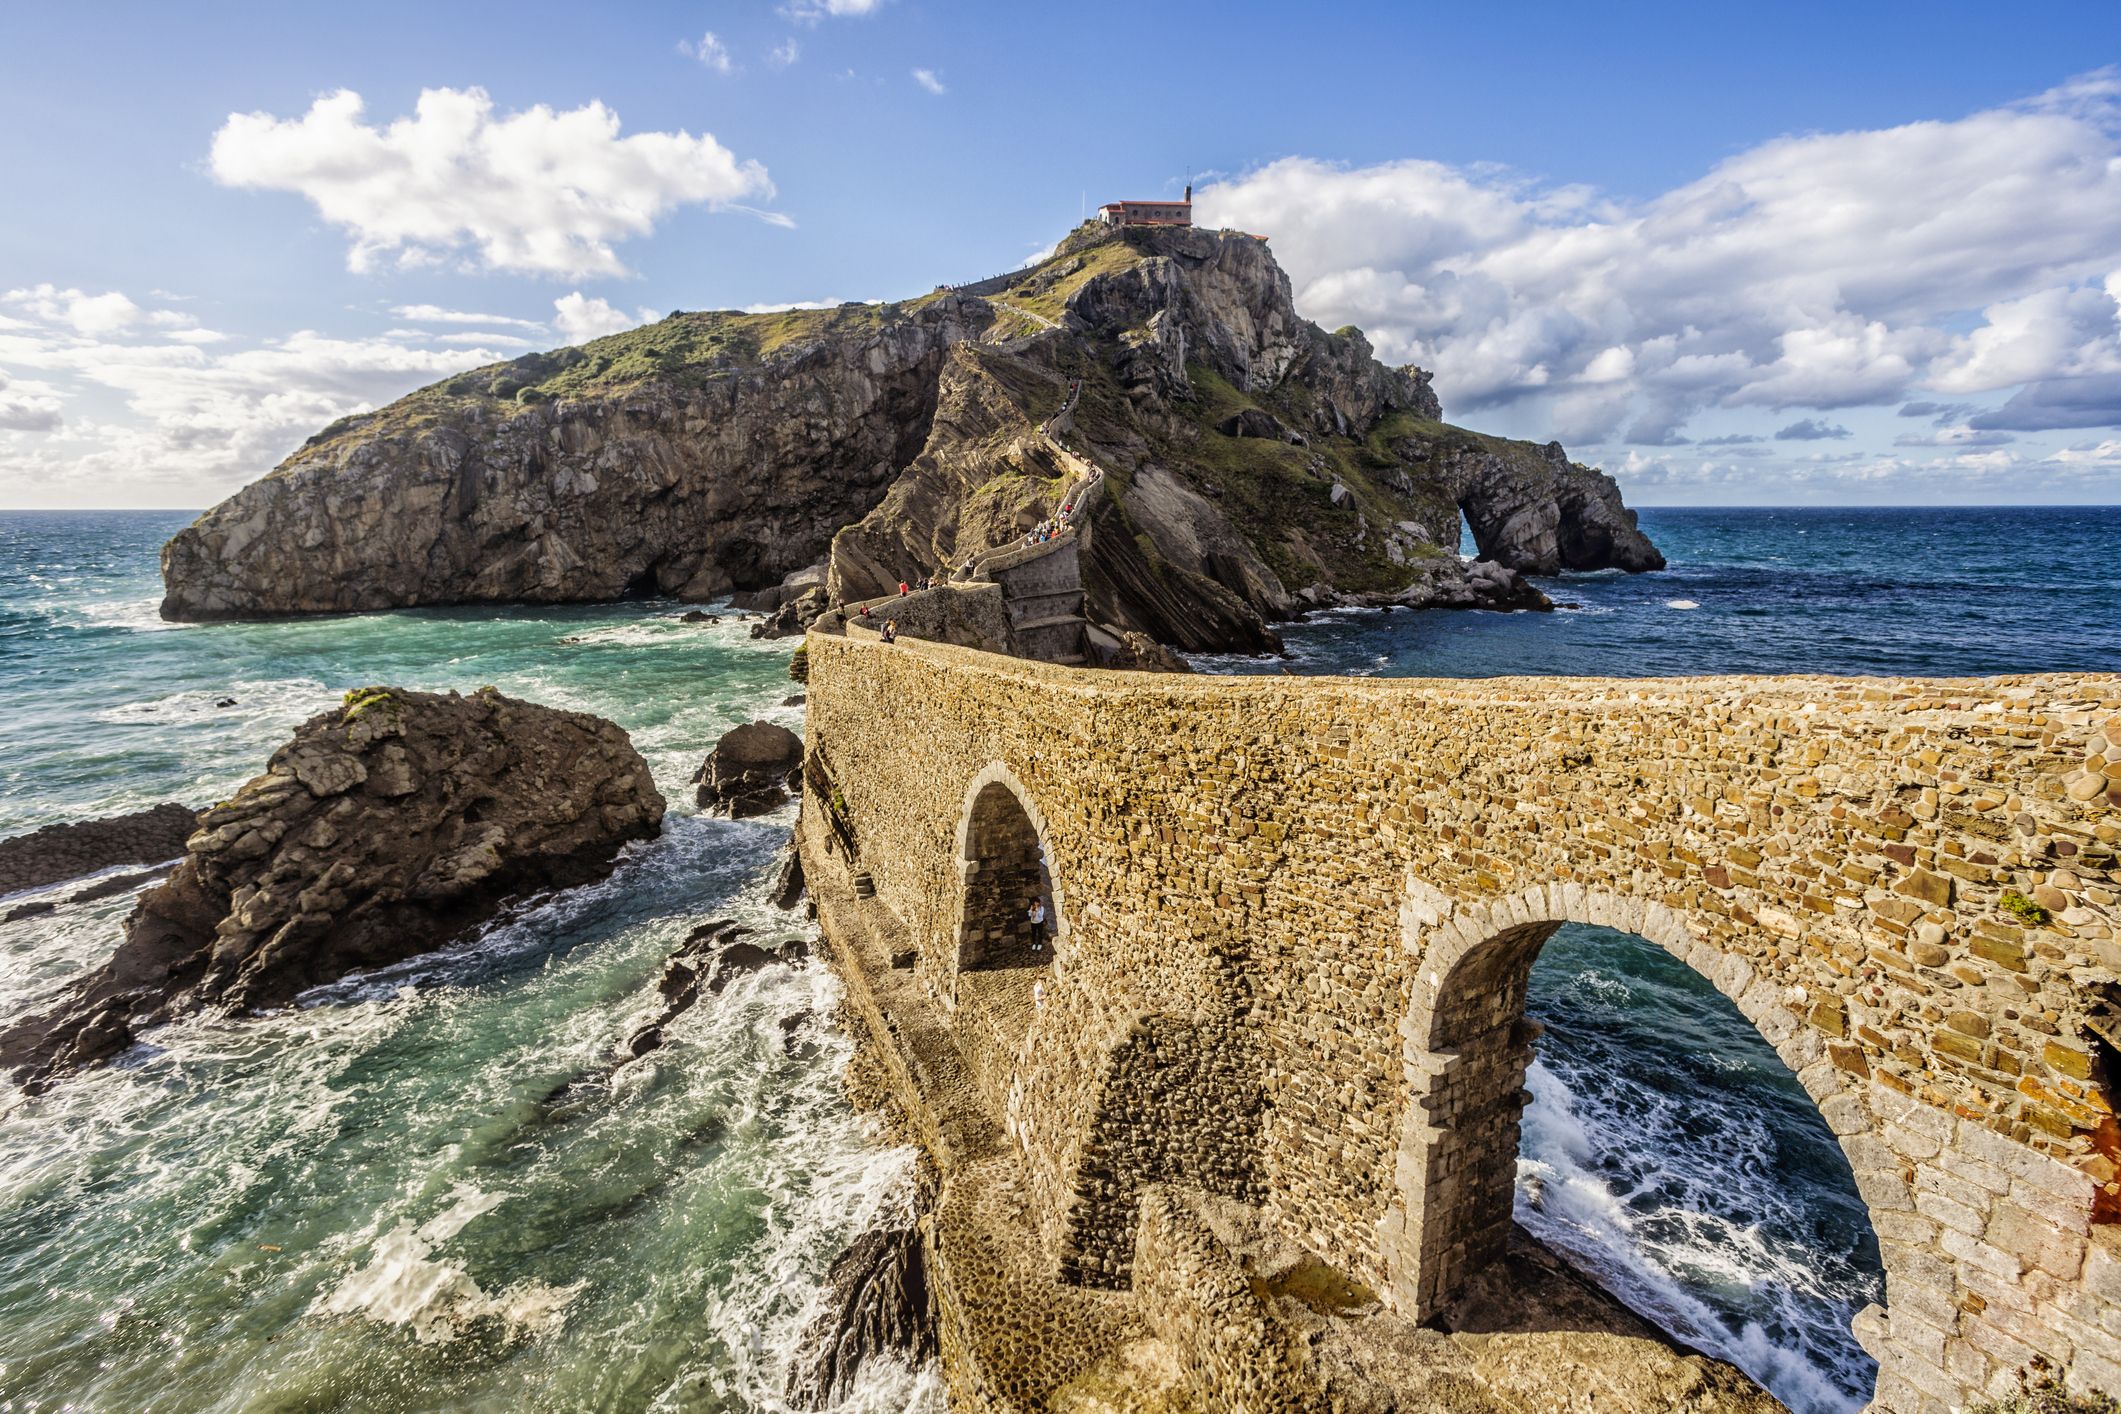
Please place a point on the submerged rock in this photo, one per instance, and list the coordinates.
(382, 830)
(876, 1301)
(59, 852)
(751, 770)
(712, 956)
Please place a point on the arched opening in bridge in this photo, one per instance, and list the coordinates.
(1010, 929)
(1011, 916)
(1590, 1087)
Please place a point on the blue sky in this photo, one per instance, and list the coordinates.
(1721, 250)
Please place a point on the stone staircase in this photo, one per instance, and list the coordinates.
(1042, 584)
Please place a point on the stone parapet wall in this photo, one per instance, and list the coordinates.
(1355, 873)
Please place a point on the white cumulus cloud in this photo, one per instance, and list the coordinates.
(926, 79)
(27, 406)
(540, 191)
(152, 417)
(580, 318)
(809, 12)
(436, 314)
(1821, 271)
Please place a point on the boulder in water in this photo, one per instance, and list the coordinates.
(383, 829)
(787, 886)
(750, 771)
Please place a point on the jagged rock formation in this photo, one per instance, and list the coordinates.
(712, 956)
(750, 771)
(381, 830)
(59, 852)
(1256, 464)
(876, 1302)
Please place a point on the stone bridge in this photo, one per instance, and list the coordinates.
(1294, 920)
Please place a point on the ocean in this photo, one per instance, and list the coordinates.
(370, 1201)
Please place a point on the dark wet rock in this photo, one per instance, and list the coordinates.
(712, 956)
(799, 700)
(59, 852)
(382, 830)
(101, 889)
(699, 616)
(1460, 584)
(736, 960)
(788, 878)
(225, 702)
(751, 770)
(792, 617)
(876, 1301)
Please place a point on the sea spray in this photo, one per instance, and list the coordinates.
(1669, 1154)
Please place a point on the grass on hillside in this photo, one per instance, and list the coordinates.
(1107, 257)
(685, 348)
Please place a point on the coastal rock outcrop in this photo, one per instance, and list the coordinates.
(1254, 465)
(381, 830)
(1546, 515)
(751, 770)
(60, 852)
(876, 1302)
(1249, 464)
(700, 455)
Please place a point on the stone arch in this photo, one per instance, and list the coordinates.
(1004, 855)
(1468, 1044)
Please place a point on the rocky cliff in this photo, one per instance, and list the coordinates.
(705, 453)
(1257, 464)
(380, 831)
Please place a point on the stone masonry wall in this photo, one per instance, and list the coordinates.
(1195, 1296)
(1909, 887)
(1179, 1103)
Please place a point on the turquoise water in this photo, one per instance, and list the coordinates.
(427, 1189)
(388, 1198)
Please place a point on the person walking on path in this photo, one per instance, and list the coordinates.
(1037, 915)
(890, 634)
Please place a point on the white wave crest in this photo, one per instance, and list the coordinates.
(404, 1285)
(1650, 1255)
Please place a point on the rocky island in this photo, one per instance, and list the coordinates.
(1253, 464)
